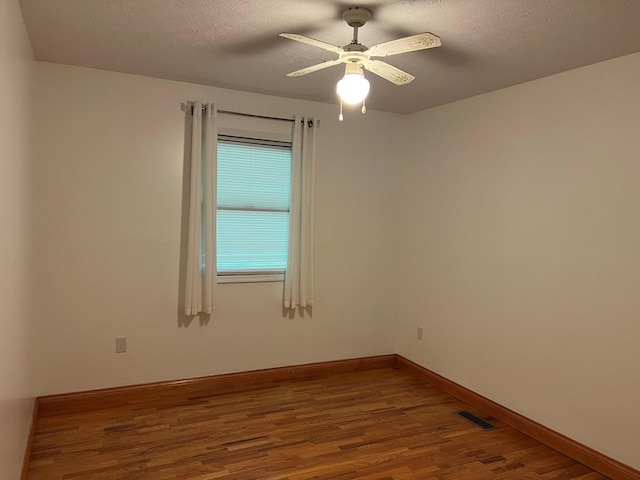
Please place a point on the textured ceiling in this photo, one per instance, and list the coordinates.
(486, 44)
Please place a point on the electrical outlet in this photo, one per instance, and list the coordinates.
(419, 333)
(121, 344)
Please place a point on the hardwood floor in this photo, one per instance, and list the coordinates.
(377, 424)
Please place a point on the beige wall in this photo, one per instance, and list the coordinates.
(108, 203)
(15, 402)
(520, 253)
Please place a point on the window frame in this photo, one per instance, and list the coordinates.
(252, 138)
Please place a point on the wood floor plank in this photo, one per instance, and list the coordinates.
(383, 424)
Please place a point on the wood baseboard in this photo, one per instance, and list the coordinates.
(32, 432)
(76, 402)
(579, 452)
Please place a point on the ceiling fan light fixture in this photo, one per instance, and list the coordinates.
(353, 88)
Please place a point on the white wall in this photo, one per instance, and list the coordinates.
(521, 250)
(15, 402)
(109, 152)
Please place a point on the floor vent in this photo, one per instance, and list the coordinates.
(476, 420)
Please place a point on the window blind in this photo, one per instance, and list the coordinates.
(254, 193)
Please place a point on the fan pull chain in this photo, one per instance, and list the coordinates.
(341, 117)
(364, 107)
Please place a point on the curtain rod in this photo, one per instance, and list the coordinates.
(242, 114)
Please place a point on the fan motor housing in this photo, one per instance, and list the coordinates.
(355, 47)
(353, 57)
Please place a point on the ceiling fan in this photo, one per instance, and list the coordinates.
(354, 88)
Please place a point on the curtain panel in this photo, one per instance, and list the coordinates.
(298, 283)
(200, 281)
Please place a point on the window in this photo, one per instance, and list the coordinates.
(254, 191)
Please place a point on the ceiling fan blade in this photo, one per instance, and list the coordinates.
(388, 72)
(312, 41)
(314, 68)
(403, 45)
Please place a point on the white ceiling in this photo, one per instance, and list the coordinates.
(486, 44)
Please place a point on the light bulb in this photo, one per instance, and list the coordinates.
(353, 88)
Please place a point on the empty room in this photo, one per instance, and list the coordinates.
(301, 239)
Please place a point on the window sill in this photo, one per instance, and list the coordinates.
(251, 278)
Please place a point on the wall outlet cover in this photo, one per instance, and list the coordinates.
(121, 344)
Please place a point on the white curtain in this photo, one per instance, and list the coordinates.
(201, 272)
(298, 283)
